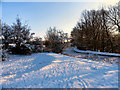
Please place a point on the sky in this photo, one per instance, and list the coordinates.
(42, 15)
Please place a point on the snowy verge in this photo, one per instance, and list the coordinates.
(97, 53)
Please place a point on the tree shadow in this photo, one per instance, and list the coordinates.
(27, 64)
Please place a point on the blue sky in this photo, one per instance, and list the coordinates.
(42, 15)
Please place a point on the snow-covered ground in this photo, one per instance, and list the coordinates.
(92, 55)
(97, 53)
(50, 70)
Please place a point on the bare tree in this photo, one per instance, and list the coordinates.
(114, 16)
(55, 39)
(114, 21)
(93, 31)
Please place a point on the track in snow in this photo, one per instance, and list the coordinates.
(50, 70)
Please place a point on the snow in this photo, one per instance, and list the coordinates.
(50, 70)
(99, 53)
(96, 57)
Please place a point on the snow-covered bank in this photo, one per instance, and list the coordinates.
(97, 53)
(71, 52)
(50, 70)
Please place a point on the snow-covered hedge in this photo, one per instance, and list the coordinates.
(4, 55)
(23, 49)
(26, 49)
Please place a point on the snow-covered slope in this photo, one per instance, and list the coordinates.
(98, 53)
(49, 70)
(91, 56)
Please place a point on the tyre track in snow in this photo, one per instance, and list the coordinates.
(69, 65)
(62, 72)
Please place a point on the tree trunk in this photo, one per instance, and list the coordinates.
(6, 45)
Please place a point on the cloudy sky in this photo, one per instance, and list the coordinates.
(42, 15)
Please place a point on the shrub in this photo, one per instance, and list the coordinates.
(4, 55)
(55, 40)
(23, 49)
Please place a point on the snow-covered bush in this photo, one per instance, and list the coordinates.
(36, 45)
(23, 49)
(7, 35)
(4, 55)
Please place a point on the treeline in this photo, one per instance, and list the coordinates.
(17, 39)
(98, 30)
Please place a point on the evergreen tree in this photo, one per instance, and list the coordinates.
(22, 36)
(7, 35)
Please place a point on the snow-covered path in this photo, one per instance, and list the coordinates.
(70, 52)
(50, 70)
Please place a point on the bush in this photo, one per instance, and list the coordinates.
(36, 48)
(81, 48)
(4, 55)
(36, 45)
(55, 40)
(23, 49)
